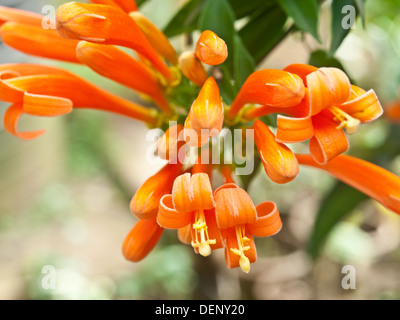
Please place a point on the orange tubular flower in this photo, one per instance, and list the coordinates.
(370, 179)
(191, 203)
(238, 220)
(117, 65)
(45, 91)
(141, 239)
(192, 68)
(21, 16)
(156, 37)
(279, 161)
(211, 49)
(270, 87)
(206, 115)
(146, 200)
(331, 103)
(35, 40)
(107, 25)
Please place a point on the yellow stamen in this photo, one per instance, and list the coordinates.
(201, 239)
(346, 121)
(242, 241)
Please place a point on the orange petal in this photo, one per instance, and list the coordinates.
(192, 68)
(230, 241)
(204, 163)
(29, 69)
(268, 220)
(117, 65)
(290, 130)
(37, 41)
(234, 207)
(369, 178)
(156, 37)
(185, 234)
(302, 70)
(47, 106)
(10, 121)
(365, 107)
(211, 49)
(88, 95)
(392, 112)
(327, 86)
(226, 172)
(278, 160)
(271, 87)
(207, 111)
(169, 218)
(145, 202)
(125, 5)
(328, 141)
(191, 193)
(107, 25)
(22, 16)
(170, 144)
(141, 239)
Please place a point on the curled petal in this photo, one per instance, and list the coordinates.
(117, 65)
(191, 193)
(141, 239)
(145, 203)
(340, 84)
(271, 87)
(156, 37)
(230, 241)
(107, 25)
(290, 130)
(268, 220)
(170, 218)
(37, 41)
(10, 121)
(21, 16)
(365, 107)
(234, 207)
(328, 141)
(211, 49)
(185, 234)
(192, 68)
(278, 160)
(367, 177)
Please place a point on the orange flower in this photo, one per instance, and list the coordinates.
(146, 200)
(170, 144)
(36, 41)
(370, 179)
(117, 65)
(192, 68)
(211, 49)
(270, 87)
(46, 91)
(107, 25)
(206, 115)
(21, 16)
(279, 161)
(238, 220)
(141, 239)
(192, 203)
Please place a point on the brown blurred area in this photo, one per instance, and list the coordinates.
(64, 202)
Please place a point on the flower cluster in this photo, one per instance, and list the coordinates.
(318, 105)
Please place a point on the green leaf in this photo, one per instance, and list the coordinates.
(218, 17)
(139, 3)
(264, 31)
(361, 10)
(185, 20)
(304, 14)
(335, 207)
(227, 86)
(244, 8)
(243, 62)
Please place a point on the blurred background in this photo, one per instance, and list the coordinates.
(64, 197)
